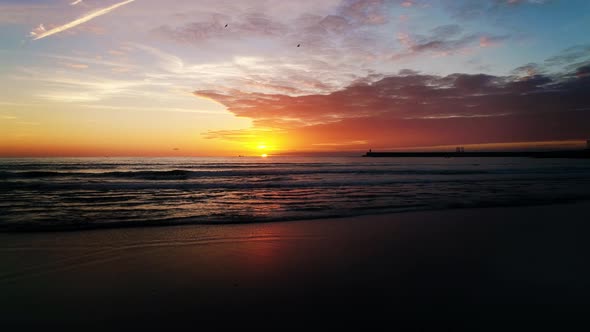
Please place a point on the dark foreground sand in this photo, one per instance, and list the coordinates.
(441, 270)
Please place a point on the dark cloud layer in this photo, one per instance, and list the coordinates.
(412, 109)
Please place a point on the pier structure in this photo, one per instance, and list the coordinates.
(573, 154)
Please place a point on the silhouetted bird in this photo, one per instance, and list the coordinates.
(226, 25)
(298, 45)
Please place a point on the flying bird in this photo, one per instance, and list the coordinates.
(226, 25)
(298, 45)
(84, 19)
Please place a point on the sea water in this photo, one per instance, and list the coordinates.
(53, 193)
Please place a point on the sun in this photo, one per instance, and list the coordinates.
(263, 147)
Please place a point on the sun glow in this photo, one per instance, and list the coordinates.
(263, 146)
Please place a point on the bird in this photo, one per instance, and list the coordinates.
(298, 45)
(226, 25)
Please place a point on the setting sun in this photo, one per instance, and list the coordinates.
(264, 155)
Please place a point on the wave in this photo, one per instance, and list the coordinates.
(45, 195)
(188, 174)
(92, 185)
(109, 166)
(306, 214)
(181, 174)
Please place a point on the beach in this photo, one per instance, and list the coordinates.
(463, 268)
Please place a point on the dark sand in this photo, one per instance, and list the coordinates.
(475, 269)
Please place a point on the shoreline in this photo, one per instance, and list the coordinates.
(463, 266)
(20, 229)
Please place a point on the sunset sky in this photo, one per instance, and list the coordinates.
(168, 78)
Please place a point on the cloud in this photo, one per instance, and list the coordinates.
(470, 10)
(82, 85)
(490, 41)
(117, 53)
(444, 40)
(75, 65)
(40, 34)
(308, 27)
(98, 61)
(38, 30)
(419, 110)
(446, 31)
(571, 59)
(366, 12)
(286, 75)
(339, 44)
(574, 56)
(246, 25)
(528, 70)
(517, 2)
(583, 72)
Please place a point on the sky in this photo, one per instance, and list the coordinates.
(253, 77)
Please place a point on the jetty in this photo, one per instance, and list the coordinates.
(460, 153)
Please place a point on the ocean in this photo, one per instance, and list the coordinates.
(80, 193)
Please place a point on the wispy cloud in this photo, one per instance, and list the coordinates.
(445, 40)
(91, 61)
(153, 109)
(42, 33)
(82, 86)
(75, 65)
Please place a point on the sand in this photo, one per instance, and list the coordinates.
(468, 269)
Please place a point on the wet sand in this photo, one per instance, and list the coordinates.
(472, 269)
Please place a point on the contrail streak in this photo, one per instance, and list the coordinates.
(76, 2)
(80, 20)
